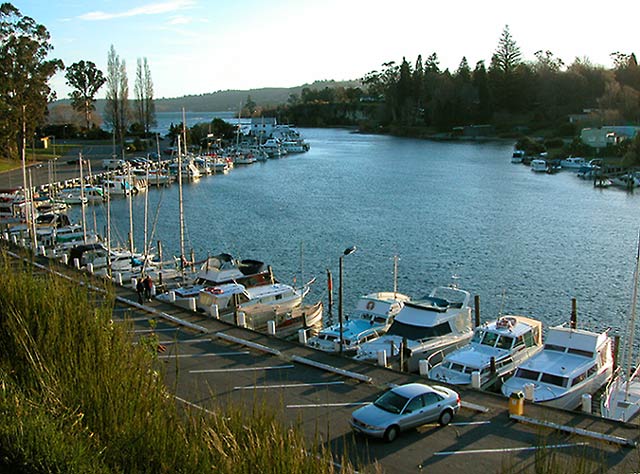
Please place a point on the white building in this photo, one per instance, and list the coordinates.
(607, 135)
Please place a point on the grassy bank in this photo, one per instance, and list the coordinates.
(77, 396)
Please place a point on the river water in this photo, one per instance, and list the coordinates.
(526, 243)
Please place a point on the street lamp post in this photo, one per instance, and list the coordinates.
(346, 252)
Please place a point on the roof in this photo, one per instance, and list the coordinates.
(410, 390)
(575, 338)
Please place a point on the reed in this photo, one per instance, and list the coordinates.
(80, 397)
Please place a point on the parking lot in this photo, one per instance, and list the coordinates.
(222, 365)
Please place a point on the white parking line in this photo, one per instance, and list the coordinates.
(291, 385)
(321, 405)
(465, 423)
(509, 450)
(206, 354)
(141, 331)
(185, 341)
(247, 369)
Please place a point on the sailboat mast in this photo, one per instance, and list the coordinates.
(82, 201)
(26, 191)
(632, 322)
(130, 202)
(109, 227)
(181, 209)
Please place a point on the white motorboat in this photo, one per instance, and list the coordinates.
(572, 363)
(280, 298)
(495, 351)
(371, 319)
(219, 270)
(90, 194)
(539, 165)
(439, 322)
(119, 185)
(573, 163)
(518, 156)
(626, 181)
(621, 400)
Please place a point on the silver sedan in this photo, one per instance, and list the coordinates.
(404, 407)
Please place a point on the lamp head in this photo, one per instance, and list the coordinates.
(350, 250)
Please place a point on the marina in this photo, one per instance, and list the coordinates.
(289, 220)
(208, 362)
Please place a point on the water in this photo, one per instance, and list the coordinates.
(526, 243)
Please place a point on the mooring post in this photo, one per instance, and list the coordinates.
(476, 301)
(574, 313)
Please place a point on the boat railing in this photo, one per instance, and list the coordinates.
(440, 353)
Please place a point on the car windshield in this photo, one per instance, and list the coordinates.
(391, 402)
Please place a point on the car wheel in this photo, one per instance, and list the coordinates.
(445, 418)
(391, 433)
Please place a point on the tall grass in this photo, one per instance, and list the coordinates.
(79, 397)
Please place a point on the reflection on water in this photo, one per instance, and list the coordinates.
(525, 242)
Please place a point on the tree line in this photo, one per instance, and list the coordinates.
(25, 92)
(510, 93)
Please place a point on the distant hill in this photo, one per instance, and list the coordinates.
(230, 99)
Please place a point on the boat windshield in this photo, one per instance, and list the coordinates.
(554, 380)
(489, 339)
(391, 402)
(418, 333)
(527, 374)
(505, 342)
(554, 347)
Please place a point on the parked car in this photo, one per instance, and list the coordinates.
(404, 407)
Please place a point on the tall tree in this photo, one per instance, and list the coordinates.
(507, 74)
(145, 112)
(86, 79)
(507, 55)
(25, 73)
(117, 97)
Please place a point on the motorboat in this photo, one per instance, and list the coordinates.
(573, 362)
(627, 181)
(371, 319)
(118, 185)
(539, 165)
(280, 298)
(496, 349)
(439, 322)
(90, 194)
(573, 163)
(517, 156)
(218, 270)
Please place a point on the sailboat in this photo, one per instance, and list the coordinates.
(621, 400)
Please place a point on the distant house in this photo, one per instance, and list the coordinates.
(473, 131)
(263, 126)
(602, 137)
(586, 116)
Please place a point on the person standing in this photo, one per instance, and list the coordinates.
(148, 284)
(140, 289)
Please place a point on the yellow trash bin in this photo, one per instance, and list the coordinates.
(516, 403)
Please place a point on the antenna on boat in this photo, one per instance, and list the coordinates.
(504, 297)
(395, 276)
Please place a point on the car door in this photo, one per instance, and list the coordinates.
(413, 413)
(433, 404)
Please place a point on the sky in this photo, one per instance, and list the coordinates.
(202, 46)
